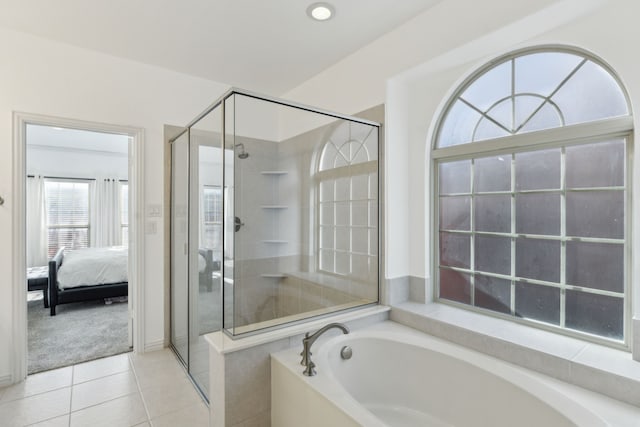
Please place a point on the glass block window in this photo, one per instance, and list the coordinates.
(531, 92)
(539, 232)
(347, 241)
(67, 208)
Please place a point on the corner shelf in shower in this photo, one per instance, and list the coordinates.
(274, 276)
(274, 173)
(274, 207)
(275, 241)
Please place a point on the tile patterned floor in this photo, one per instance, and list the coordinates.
(125, 390)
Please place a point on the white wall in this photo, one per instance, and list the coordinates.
(44, 77)
(443, 39)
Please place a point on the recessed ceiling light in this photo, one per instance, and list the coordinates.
(320, 11)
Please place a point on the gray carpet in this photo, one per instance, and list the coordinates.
(77, 333)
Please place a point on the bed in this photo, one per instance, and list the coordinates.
(97, 273)
(87, 274)
(206, 267)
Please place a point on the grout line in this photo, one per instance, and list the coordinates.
(135, 376)
(101, 403)
(48, 419)
(73, 371)
(578, 353)
(103, 376)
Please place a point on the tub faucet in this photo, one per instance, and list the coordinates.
(308, 340)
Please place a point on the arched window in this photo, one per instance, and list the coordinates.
(532, 194)
(347, 241)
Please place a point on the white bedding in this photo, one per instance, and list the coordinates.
(93, 266)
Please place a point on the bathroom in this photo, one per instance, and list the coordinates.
(247, 363)
(506, 311)
(564, 365)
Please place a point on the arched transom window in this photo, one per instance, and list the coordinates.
(531, 193)
(347, 241)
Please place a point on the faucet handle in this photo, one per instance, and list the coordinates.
(310, 369)
(306, 351)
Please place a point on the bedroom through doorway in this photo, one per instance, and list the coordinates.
(77, 245)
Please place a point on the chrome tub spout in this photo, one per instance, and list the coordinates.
(308, 341)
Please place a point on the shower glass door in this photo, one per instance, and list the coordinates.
(179, 246)
(205, 241)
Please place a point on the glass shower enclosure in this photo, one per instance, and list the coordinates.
(275, 220)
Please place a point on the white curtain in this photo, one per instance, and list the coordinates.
(105, 226)
(230, 222)
(201, 235)
(37, 240)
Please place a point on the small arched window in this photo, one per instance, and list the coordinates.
(531, 193)
(347, 182)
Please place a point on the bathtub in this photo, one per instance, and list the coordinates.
(400, 377)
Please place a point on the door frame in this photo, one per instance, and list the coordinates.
(136, 229)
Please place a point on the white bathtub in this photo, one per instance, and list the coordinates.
(400, 377)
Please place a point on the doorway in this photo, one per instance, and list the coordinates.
(79, 185)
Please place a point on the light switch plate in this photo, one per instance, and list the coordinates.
(154, 211)
(151, 227)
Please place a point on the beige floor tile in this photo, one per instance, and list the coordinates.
(144, 424)
(124, 411)
(163, 355)
(162, 400)
(100, 368)
(62, 421)
(102, 390)
(38, 383)
(193, 416)
(36, 408)
(162, 375)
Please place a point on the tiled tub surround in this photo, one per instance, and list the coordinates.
(124, 390)
(276, 249)
(605, 370)
(261, 299)
(439, 383)
(240, 373)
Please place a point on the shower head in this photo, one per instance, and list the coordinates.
(242, 154)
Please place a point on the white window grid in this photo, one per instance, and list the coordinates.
(563, 238)
(329, 177)
(590, 131)
(62, 226)
(347, 153)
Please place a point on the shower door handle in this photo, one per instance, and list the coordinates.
(238, 223)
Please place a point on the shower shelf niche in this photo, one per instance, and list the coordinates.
(274, 276)
(275, 241)
(274, 173)
(274, 207)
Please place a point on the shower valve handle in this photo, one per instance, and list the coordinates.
(238, 223)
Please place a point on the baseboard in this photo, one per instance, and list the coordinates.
(5, 380)
(154, 345)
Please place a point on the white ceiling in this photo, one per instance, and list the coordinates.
(269, 46)
(75, 139)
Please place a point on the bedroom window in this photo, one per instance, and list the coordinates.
(124, 212)
(212, 218)
(67, 208)
(531, 166)
(347, 202)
